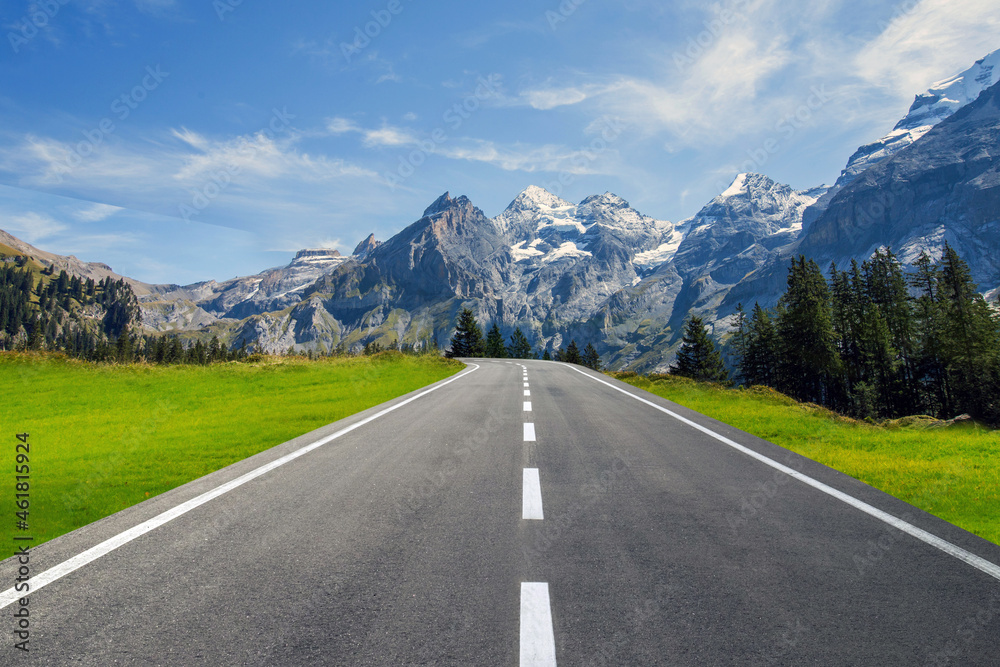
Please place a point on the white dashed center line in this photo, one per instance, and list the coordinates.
(538, 644)
(531, 496)
(529, 432)
(527, 406)
(527, 392)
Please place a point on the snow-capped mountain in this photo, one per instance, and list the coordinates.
(751, 218)
(945, 187)
(543, 262)
(543, 228)
(602, 272)
(928, 109)
(736, 233)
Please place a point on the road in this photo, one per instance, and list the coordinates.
(519, 513)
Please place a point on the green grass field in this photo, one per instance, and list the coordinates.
(953, 473)
(105, 437)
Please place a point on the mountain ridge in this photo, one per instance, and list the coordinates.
(600, 271)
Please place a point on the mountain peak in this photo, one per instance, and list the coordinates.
(736, 187)
(949, 95)
(607, 199)
(535, 197)
(929, 108)
(747, 181)
(366, 246)
(536, 192)
(322, 253)
(440, 204)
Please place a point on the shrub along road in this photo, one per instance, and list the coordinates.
(400, 540)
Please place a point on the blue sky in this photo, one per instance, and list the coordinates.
(180, 141)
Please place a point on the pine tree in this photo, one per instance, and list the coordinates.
(215, 351)
(468, 338)
(176, 351)
(698, 358)
(929, 364)
(971, 338)
(885, 285)
(36, 337)
(572, 354)
(759, 363)
(590, 357)
(495, 348)
(809, 366)
(546, 356)
(739, 340)
(519, 347)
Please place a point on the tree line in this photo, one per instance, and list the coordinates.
(88, 319)
(469, 341)
(876, 342)
(64, 312)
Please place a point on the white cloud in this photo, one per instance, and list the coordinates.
(389, 76)
(334, 244)
(32, 227)
(256, 154)
(551, 98)
(389, 136)
(521, 157)
(734, 81)
(338, 125)
(96, 212)
(190, 160)
(718, 90)
(935, 39)
(248, 179)
(192, 139)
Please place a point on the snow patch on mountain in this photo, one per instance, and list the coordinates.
(270, 290)
(658, 255)
(736, 187)
(929, 108)
(541, 227)
(566, 250)
(948, 96)
(526, 250)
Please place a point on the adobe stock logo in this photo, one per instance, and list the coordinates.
(27, 28)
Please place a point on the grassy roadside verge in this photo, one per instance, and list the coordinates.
(105, 437)
(953, 473)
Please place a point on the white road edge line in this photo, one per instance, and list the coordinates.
(529, 436)
(107, 546)
(538, 644)
(981, 564)
(531, 495)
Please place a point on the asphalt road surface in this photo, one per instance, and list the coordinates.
(521, 513)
